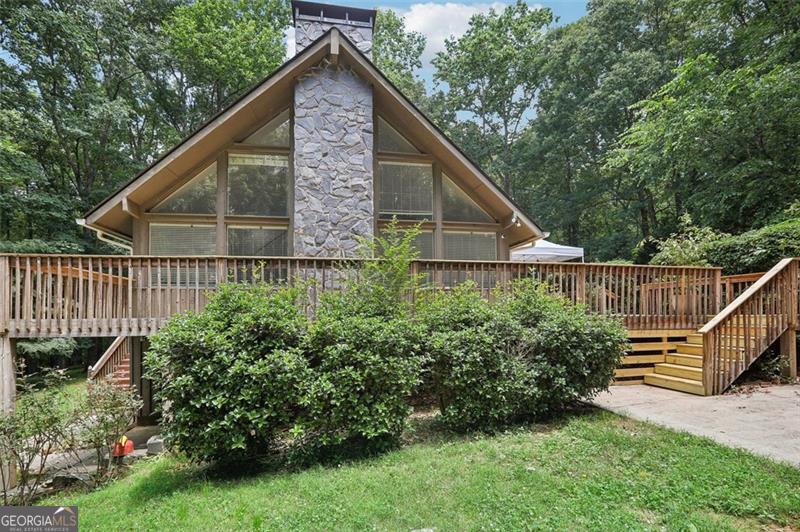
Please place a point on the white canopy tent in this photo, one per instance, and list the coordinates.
(544, 251)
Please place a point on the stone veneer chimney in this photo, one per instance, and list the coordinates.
(333, 139)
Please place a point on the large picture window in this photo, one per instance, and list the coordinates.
(424, 244)
(406, 190)
(258, 185)
(462, 245)
(198, 196)
(268, 241)
(183, 239)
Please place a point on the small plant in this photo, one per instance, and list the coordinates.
(30, 435)
(108, 411)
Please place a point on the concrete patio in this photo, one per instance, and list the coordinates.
(765, 421)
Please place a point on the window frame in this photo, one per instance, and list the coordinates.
(438, 225)
(268, 226)
(221, 219)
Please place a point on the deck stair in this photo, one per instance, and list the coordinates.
(114, 364)
(712, 358)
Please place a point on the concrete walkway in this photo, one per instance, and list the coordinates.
(765, 421)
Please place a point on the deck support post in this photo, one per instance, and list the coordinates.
(8, 397)
(788, 346)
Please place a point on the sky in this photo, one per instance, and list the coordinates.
(438, 20)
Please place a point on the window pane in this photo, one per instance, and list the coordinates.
(457, 206)
(389, 140)
(257, 241)
(198, 196)
(470, 246)
(424, 244)
(406, 190)
(274, 133)
(258, 184)
(173, 239)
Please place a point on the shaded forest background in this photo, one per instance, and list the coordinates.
(641, 120)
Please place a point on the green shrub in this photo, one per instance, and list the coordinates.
(569, 354)
(363, 371)
(232, 376)
(757, 250)
(528, 355)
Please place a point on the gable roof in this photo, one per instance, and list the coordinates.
(254, 107)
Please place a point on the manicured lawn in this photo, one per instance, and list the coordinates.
(593, 470)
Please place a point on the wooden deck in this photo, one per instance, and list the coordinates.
(677, 317)
(91, 296)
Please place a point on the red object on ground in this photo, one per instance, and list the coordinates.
(123, 447)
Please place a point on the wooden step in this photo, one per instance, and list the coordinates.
(694, 338)
(690, 349)
(677, 370)
(682, 359)
(674, 383)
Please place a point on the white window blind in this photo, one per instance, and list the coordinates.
(461, 245)
(198, 196)
(258, 184)
(406, 190)
(182, 239)
(257, 241)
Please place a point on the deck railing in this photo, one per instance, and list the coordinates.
(752, 322)
(83, 295)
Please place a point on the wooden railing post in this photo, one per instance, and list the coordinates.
(718, 291)
(8, 366)
(788, 342)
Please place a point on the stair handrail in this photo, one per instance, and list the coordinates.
(783, 303)
(104, 359)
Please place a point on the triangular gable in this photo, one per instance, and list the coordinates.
(267, 99)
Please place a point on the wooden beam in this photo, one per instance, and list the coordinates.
(788, 345)
(131, 208)
(334, 53)
(8, 396)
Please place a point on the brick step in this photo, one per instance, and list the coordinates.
(677, 370)
(674, 383)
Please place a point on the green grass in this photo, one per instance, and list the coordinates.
(593, 470)
(73, 387)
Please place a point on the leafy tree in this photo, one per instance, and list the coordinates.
(492, 74)
(398, 53)
(222, 47)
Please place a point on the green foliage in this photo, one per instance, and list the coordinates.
(492, 76)
(363, 371)
(688, 247)
(106, 414)
(232, 376)
(29, 435)
(383, 287)
(757, 250)
(397, 53)
(530, 354)
(45, 351)
(224, 46)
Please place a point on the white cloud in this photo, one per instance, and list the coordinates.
(438, 21)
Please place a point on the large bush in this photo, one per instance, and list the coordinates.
(363, 371)
(231, 377)
(757, 250)
(528, 355)
(569, 353)
(364, 350)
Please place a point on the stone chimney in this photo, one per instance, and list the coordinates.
(333, 139)
(311, 20)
